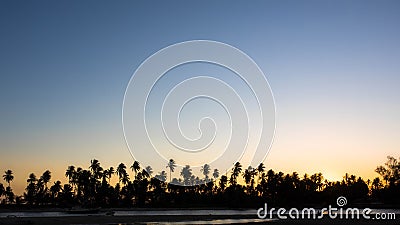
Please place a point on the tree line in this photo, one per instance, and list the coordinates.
(92, 187)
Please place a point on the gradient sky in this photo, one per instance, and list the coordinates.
(333, 67)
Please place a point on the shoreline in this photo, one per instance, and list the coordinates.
(55, 209)
(251, 219)
(26, 208)
(161, 216)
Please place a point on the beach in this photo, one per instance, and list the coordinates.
(172, 217)
(177, 220)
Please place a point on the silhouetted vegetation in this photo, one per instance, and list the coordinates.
(249, 187)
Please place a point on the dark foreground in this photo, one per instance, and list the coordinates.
(184, 219)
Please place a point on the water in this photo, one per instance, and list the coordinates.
(197, 212)
(160, 213)
(157, 213)
(217, 221)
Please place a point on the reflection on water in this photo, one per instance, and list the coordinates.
(218, 221)
(31, 214)
(197, 212)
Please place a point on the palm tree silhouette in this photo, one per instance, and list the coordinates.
(162, 176)
(205, 169)
(223, 182)
(275, 187)
(71, 174)
(149, 170)
(66, 194)
(236, 170)
(260, 170)
(55, 189)
(135, 167)
(96, 168)
(8, 177)
(171, 165)
(2, 190)
(111, 171)
(186, 173)
(31, 189)
(121, 171)
(145, 173)
(46, 177)
(247, 174)
(215, 174)
(9, 194)
(107, 174)
(125, 178)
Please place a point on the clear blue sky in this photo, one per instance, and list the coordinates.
(333, 67)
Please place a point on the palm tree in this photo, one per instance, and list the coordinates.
(121, 172)
(145, 174)
(46, 177)
(83, 180)
(67, 193)
(107, 174)
(205, 169)
(316, 180)
(171, 165)
(104, 176)
(260, 170)
(236, 170)
(70, 173)
(2, 190)
(77, 178)
(94, 165)
(32, 189)
(111, 171)
(248, 176)
(135, 167)
(295, 179)
(253, 173)
(31, 179)
(55, 189)
(9, 195)
(96, 169)
(125, 178)
(149, 170)
(215, 174)
(222, 182)
(186, 173)
(162, 176)
(8, 177)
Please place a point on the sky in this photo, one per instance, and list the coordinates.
(333, 67)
